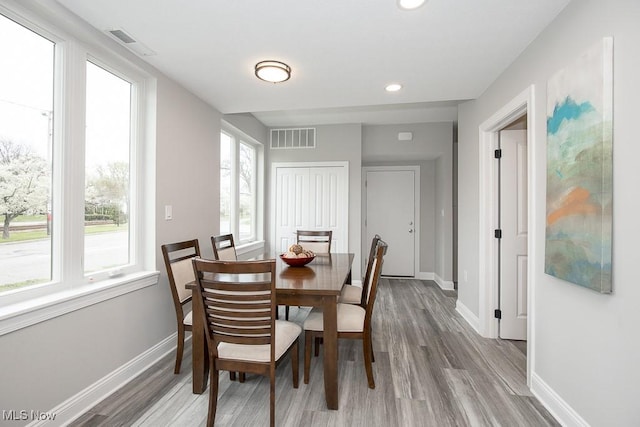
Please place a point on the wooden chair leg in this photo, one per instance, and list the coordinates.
(272, 397)
(367, 351)
(232, 376)
(295, 362)
(286, 312)
(213, 395)
(308, 336)
(373, 358)
(316, 350)
(179, 350)
(241, 377)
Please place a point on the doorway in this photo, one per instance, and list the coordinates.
(513, 230)
(489, 217)
(392, 210)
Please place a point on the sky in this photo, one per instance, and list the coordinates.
(27, 100)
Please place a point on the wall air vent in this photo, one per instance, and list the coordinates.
(125, 39)
(293, 138)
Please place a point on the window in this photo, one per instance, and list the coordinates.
(247, 192)
(26, 163)
(226, 143)
(70, 145)
(107, 148)
(240, 180)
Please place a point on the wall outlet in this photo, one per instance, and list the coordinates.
(168, 212)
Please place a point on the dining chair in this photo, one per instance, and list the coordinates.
(177, 260)
(354, 321)
(224, 248)
(315, 241)
(242, 333)
(319, 242)
(352, 294)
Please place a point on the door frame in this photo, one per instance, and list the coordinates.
(488, 214)
(272, 194)
(416, 198)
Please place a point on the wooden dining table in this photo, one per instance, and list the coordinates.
(318, 284)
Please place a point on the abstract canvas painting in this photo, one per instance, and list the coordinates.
(579, 170)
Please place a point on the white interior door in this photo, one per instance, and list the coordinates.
(310, 197)
(391, 213)
(513, 245)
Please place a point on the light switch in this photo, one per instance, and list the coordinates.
(168, 212)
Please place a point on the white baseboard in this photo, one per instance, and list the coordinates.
(468, 315)
(444, 284)
(79, 404)
(426, 276)
(560, 409)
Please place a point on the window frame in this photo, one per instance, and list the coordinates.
(237, 139)
(70, 288)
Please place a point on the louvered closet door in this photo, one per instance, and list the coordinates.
(292, 200)
(311, 198)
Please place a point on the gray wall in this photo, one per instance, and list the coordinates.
(432, 150)
(333, 143)
(249, 125)
(585, 345)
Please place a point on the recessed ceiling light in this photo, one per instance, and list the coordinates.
(410, 4)
(393, 87)
(273, 71)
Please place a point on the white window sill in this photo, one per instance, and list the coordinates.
(20, 315)
(249, 247)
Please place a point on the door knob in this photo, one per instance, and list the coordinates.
(410, 231)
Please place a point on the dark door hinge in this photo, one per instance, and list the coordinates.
(497, 313)
(497, 234)
(497, 154)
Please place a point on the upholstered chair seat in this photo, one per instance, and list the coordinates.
(285, 335)
(350, 319)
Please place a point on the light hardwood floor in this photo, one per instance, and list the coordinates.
(431, 369)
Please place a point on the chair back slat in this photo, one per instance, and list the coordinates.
(177, 260)
(232, 298)
(372, 255)
(239, 304)
(314, 240)
(228, 284)
(241, 340)
(372, 284)
(249, 314)
(224, 248)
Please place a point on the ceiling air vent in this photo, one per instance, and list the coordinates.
(293, 138)
(129, 42)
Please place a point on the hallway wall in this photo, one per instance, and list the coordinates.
(585, 344)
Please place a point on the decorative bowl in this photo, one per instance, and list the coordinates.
(297, 262)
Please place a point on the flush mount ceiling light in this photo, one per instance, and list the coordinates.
(273, 71)
(393, 87)
(410, 4)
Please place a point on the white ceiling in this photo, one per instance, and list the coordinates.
(342, 52)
